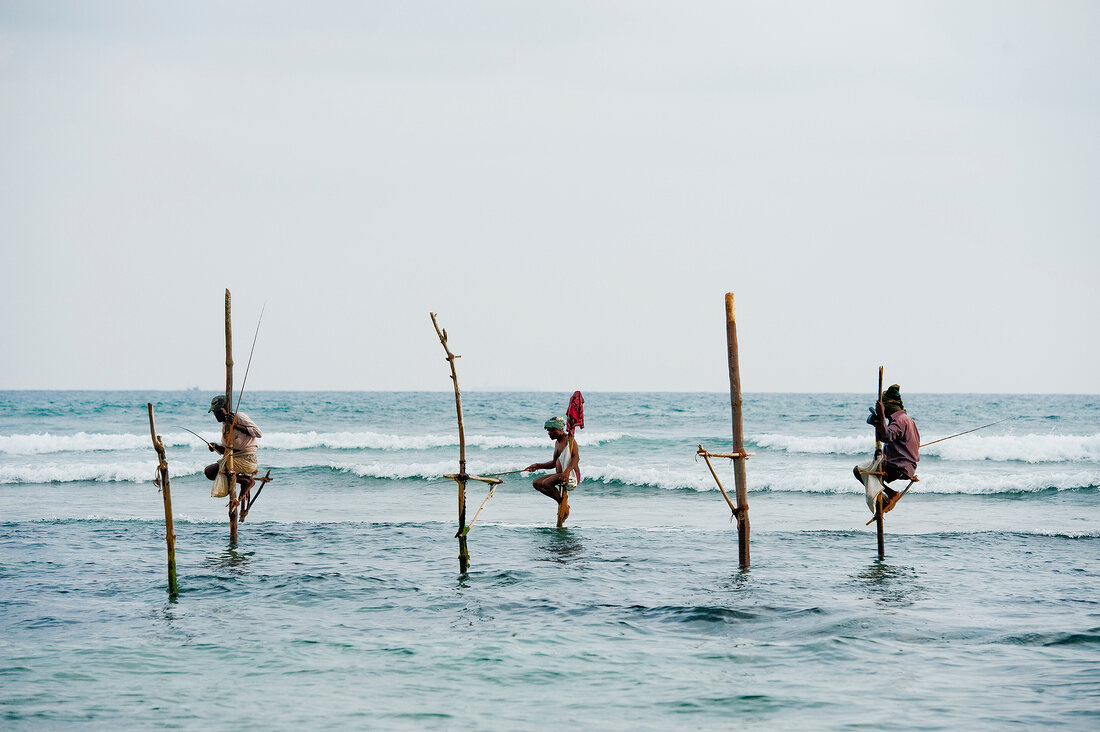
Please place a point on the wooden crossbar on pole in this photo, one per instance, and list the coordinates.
(492, 483)
(707, 456)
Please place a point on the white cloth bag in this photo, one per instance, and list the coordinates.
(220, 489)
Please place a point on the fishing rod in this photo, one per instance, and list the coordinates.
(959, 434)
(248, 366)
(196, 434)
(483, 475)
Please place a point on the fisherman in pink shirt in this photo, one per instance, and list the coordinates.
(245, 433)
(901, 441)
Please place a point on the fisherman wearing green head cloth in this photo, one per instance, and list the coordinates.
(901, 441)
(565, 464)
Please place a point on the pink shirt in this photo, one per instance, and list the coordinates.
(902, 441)
(245, 433)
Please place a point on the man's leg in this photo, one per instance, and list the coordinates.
(545, 485)
(893, 472)
(211, 471)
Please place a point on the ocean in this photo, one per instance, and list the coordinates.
(341, 606)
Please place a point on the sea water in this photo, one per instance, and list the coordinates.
(341, 606)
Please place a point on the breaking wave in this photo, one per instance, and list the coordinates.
(663, 477)
(997, 448)
(380, 441)
(621, 477)
(46, 443)
(134, 472)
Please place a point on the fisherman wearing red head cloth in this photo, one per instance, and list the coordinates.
(567, 455)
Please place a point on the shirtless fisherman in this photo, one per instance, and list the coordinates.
(245, 433)
(565, 464)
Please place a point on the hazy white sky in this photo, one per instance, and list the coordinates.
(572, 186)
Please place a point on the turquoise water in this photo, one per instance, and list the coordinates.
(341, 605)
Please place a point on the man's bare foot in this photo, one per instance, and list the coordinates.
(889, 499)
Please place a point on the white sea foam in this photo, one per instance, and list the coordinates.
(427, 471)
(1022, 448)
(816, 445)
(667, 477)
(664, 476)
(840, 481)
(45, 443)
(998, 448)
(382, 441)
(133, 472)
(948, 483)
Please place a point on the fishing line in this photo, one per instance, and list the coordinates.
(959, 434)
(248, 366)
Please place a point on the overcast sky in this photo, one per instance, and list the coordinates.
(571, 186)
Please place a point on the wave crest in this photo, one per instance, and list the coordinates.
(997, 448)
(135, 472)
(46, 443)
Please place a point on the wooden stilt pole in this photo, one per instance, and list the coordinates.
(879, 528)
(461, 477)
(563, 506)
(742, 510)
(878, 501)
(227, 437)
(166, 492)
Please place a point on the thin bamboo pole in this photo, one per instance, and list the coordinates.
(166, 492)
(246, 505)
(706, 456)
(461, 477)
(227, 427)
(878, 501)
(742, 510)
(563, 506)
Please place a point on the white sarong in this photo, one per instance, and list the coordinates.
(244, 463)
(872, 484)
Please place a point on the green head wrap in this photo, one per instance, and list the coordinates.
(891, 400)
(555, 423)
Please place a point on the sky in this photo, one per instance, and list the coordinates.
(571, 186)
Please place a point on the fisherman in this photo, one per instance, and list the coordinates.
(245, 433)
(565, 464)
(901, 442)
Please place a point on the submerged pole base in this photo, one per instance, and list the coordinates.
(743, 536)
(463, 555)
(173, 585)
(879, 528)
